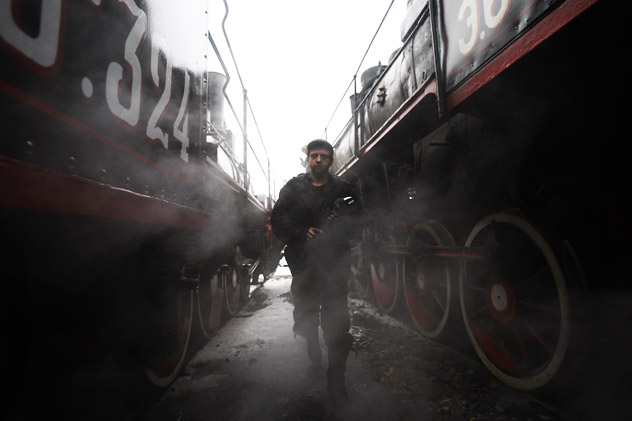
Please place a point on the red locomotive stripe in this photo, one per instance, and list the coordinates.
(29, 186)
(66, 119)
(550, 24)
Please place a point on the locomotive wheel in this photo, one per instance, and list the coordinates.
(515, 302)
(245, 279)
(232, 291)
(360, 280)
(210, 302)
(428, 280)
(385, 279)
(244, 282)
(243, 276)
(169, 353)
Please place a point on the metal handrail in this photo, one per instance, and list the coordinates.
(247, 106)
(246, 100)
(355, 75)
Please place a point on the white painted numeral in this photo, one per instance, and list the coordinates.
(153, 131)
(492, 20)
(181, 125)
(471, 22)
(114, 76)
(41, 49)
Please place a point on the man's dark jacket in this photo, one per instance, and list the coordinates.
(296, 211)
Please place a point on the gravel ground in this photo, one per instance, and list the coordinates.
(424, 374)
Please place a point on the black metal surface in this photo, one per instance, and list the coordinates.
(100, 109)
(475, 31)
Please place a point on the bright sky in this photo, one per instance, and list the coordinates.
(296, 59)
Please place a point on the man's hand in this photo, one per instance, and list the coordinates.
(312, 233)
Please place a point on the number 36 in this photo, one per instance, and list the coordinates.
(492, 19)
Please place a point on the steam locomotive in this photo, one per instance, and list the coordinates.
(488, 153)
(122, 229)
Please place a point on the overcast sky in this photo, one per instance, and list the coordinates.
(296, 59)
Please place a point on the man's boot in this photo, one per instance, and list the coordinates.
(337, 355)
(313, 349)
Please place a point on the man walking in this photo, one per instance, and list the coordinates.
(308, 218)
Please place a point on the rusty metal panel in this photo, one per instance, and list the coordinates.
(474, 31)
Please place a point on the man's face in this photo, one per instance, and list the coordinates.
(319, 161)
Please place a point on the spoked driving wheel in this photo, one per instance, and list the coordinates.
(385, 278)
(210, 301)
(243, 275)
(428, 279)
(169, 350)
(244, 283)
(232, 291)
(514, 301)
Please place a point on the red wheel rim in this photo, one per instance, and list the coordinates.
(427, 280)
(514, 302)
(385, 281)
(210, 301)
(427, 299)
(232, 291)
(166, 365)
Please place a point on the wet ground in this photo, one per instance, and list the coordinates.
(254, 368)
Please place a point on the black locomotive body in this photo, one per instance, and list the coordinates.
(488, 152)
(121, 230)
